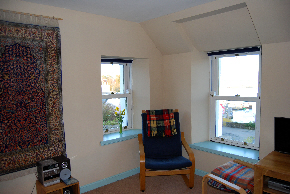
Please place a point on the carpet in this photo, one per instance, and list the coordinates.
(31, 127)
(156, 184)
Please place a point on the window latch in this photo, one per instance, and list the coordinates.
(212, 94)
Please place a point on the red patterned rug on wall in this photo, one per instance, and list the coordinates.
(31, 124)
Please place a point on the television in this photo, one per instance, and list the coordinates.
(282, 134)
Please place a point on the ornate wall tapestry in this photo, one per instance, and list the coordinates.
(31, 124)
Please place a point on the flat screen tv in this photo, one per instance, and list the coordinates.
(282, 134)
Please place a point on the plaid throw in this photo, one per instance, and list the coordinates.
(160, 123)
(235, 173)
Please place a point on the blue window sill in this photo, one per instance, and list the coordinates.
(245, 154)
(117, 137)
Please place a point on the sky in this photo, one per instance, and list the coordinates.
(109, 69)
(239, 75)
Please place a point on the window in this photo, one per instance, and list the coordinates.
(116, 92)
(235, 97)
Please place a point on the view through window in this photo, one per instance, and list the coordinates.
(116, 95)
(235, 99)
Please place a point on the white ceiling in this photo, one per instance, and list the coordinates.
(130, 10)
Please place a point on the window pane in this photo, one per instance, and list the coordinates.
(112, 78)
(238, 75)
(235, 120)
(110, 120)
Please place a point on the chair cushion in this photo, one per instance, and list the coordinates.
(160, 123)
(167, 164)
(237, 174)
(162, 147)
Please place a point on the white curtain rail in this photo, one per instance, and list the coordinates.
(27, 18)
(31, 14)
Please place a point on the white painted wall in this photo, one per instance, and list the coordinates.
(200, 77)
(207, 161)
(177, 88)
(141, 90)
(275, 101)
(85, 37)
(186, 87)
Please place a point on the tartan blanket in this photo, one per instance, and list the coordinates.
(235, 173)
(160, 123)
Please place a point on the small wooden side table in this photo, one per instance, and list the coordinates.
(56, 188)
(275, 165)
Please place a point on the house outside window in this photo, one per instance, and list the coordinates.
(235, 97)
(116, 92)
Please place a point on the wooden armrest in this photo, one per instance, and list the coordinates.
(187, 148)
(222, 181)
(141, 148)
(244, 163)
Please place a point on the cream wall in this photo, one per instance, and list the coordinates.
(141, 90)
(85, 37)
(186, 87)
(177, 88)
(275, 101)
(200, 77)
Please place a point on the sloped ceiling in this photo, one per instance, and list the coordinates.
(223, 30)
(130, 10)
(222, 24)
(272, 20)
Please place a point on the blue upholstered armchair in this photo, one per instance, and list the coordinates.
(161, 148)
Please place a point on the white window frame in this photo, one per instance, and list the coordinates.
(127, 91)
(214, 97)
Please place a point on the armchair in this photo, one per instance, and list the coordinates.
(162, 154)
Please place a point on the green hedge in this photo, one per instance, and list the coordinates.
(250, 125)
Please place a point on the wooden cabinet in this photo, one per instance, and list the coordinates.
(57, 188)
(276, 165)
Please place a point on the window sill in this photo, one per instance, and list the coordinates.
(117, 137)
(247, 155)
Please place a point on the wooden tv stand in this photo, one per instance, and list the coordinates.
(275, 165)
(56, 188)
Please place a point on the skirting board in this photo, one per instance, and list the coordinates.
(109, 180)
(121, 176)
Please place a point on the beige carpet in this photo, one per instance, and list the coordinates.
(158, 184)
